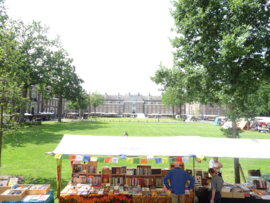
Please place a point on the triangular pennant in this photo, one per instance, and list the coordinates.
(164, 160)
(86, 158)
(108, 159)
(72, 157)
(129, 160)
(115, 160)
(136, 160)
(143, 161)
(171, 160)
(150, 156)
(100, 159)
(158, 160)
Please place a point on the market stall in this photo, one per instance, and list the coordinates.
(72, 147)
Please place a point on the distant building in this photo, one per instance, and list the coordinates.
(131, 104)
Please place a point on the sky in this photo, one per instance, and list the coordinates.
(116, 44)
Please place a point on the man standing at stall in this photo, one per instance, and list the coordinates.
(178, 178)
(216, 185)
(215, 164)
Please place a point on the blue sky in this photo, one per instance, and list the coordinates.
(116, 45)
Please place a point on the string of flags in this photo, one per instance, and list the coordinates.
(78, 158)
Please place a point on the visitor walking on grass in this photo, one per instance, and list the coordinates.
(178, 178)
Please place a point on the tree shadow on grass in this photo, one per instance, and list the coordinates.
(50, 133)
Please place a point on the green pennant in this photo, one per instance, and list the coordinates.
(171, 160)
(101, 159)
(65, 156)
(136, 160)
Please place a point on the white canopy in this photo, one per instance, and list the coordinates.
(163, 146)
(28, 114)
(46, 113)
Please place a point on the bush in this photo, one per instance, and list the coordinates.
(228, 132)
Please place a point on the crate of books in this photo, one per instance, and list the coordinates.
(7, 184)
(38, 189)
(12, 195)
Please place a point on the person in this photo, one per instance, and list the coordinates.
(216, 185)
(178, 178)
(215, 164)
(268, 126)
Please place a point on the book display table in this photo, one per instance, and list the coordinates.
(72, 194)
(49, 200)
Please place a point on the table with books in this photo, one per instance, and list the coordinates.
(257, 189)
(11, 192)
(118, 184)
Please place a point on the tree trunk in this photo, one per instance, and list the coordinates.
(236, 160)
(1, 132)
(23, 107)
(60, 108)
(173, 110)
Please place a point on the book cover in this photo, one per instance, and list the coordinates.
(27, 198)
(12, 181)
(189, 171)
(4, 183)
(43, 197)
(105, 179)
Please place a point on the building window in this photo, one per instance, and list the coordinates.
(217, 107)
(217, 113)
(224, 113)
(210, 112)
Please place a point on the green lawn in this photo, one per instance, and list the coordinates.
(30, 160)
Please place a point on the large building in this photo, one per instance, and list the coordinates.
(136, 103)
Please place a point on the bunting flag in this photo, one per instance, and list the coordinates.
(164, 160)
(86, 158)
(136, 160)
(192, 155)
(93, 158)
(143, 161)
(185, 159)
(158, 160)
(65, 156)
(178, 159)
(122, 156)
(100, 159)
(171, 160)
(72, 157)
(115, 160)
(58, 156)
(79, 157)
(76, 162)
(108, 160)
(129, 160)
(150, 156)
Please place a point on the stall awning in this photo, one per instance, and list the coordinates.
(163, 146)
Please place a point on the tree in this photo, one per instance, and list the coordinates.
(35, 49)
(79, 103)
(64, 82)
(96, 100)
(10, 89)
(223, 51)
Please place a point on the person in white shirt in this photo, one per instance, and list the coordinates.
(215, 164)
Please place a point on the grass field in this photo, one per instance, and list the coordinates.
(30, 160)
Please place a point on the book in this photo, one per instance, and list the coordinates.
(198, 180)
(12, 181)
(198, 172)
(4, 183)
(189, 171)
(27, 198)
(43, 197)
(36, 197)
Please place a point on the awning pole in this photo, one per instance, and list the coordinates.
(194, 178)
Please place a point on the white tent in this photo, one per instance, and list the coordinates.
(163, 146)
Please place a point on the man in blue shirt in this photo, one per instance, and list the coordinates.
(178, 178)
